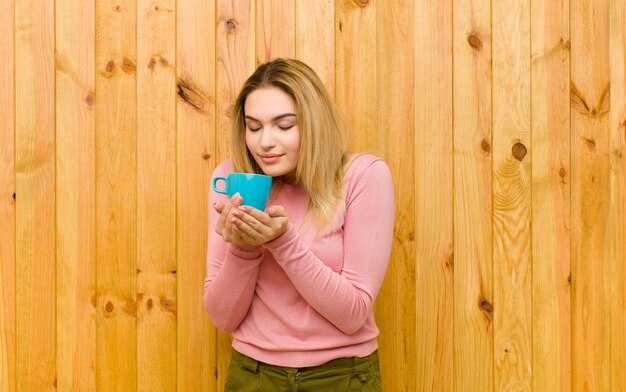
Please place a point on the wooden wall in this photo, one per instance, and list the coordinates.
(503, 122)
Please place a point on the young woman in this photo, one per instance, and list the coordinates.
(295, 284)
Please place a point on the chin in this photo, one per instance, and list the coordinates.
(274, 171)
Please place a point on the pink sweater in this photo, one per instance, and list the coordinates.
(306, 297)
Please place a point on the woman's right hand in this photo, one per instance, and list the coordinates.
(224, 225)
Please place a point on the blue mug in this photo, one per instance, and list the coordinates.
(254, 189)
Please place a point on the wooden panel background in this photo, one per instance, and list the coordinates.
(504, 125)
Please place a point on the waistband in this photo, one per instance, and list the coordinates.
(253, 365)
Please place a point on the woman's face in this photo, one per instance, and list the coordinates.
(272, 132)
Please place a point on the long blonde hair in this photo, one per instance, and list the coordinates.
(320, 169)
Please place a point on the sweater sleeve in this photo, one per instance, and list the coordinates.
(231, 273)
(345, 298)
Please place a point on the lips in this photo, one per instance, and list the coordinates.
(269, 158)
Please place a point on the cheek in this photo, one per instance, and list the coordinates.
(294, 142)
(249, 141)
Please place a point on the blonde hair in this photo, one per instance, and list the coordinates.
(320, 169)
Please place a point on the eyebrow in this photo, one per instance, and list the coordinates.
(274, 119)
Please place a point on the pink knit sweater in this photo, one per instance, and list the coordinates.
(306, 297)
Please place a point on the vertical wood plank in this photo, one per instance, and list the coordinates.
(35, 195)
(275, 30)
(116, 190)
(512, 195)
(397, 321)
(315, 38)
(195, 128)
(356, 74)
(551, 321)
(7, 201)
(473, 261)
(615, 246)
(235, 40)
(156, 196)
(590, 191)
(235, 61)
(434, 196)
(75, 194)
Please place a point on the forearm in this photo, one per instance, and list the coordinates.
(345, 297)
(229, 292)
(339, 297)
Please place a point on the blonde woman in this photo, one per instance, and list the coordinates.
(295, 283)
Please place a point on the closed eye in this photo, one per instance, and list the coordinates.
(286, 127)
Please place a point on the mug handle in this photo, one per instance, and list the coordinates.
(214, 183)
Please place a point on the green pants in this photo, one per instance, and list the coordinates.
(344, 374)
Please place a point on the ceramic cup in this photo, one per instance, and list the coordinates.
(254, 189)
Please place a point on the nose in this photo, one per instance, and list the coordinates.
(267, 138)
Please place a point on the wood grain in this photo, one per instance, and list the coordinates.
(396, 309)
(156, 195)
(7, 201)
(35, 271)
(615, 246)
(315, 38)
(550, 51)
(116, 200)
(356, 74)
(503, 123)
(76, 196)
(195, 129)
(434, 243)
(589, 105)
(275, 30)
(473, 261)
(512, 155)
(235, 40)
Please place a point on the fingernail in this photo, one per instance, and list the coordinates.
(271, 211)
(236, 212)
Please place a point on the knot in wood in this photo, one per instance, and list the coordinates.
(486, 306)
(149, 304)
(128, 65)
(110, 67)
(474, 41)
(486, 147)
(89, 99)
(362, 3)
(108, 307)
(450, 261)
(231, 25)
(590, 143)
(519, 151)
(562, 172)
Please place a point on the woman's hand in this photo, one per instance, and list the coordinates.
(224, 226)
(256, 227)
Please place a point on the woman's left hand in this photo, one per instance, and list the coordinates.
(257, 227)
